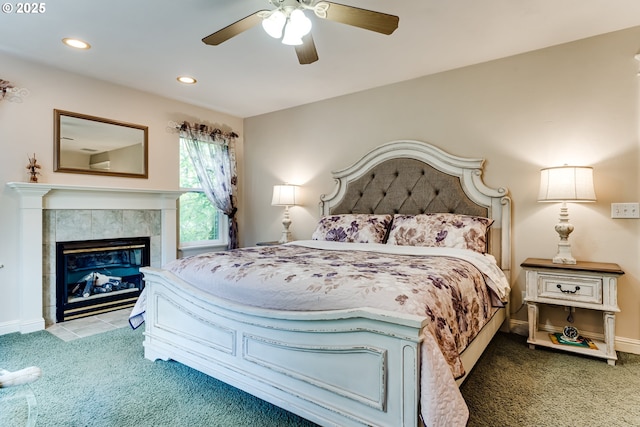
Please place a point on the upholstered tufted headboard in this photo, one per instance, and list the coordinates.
(406, 186)
(412, 177)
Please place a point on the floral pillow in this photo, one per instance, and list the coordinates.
(440, 230)
(353, 228)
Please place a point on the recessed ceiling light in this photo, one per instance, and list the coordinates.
(76, 43)
(187, 80)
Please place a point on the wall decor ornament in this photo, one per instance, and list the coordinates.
(33, 167)
(11, 93)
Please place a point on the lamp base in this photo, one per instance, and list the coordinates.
(564, 254)
(286, 237)
(286, 222)
(564, 228)
(560, 260)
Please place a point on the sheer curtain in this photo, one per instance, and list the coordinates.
(213, 155)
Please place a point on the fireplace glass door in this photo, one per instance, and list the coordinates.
(97, 276)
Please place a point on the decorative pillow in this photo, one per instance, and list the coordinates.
(353, 228)
(440, 230)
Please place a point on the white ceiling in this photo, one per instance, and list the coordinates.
(146, 44)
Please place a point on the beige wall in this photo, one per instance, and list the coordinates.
(27, 128)
(576, 103)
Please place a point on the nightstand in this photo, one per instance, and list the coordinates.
(590, 285)
(273, 243)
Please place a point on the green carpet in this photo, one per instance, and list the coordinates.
(514, 386)
(104, 380)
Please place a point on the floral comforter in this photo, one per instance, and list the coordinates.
(450, 291)
(457, 289)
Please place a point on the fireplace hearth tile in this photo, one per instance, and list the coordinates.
(93, 329)
(118, 318)
(62, 333)
(75, 325)
(87, 326)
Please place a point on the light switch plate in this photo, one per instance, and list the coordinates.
(625, 210)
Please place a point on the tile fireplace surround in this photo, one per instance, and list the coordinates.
(51, 213)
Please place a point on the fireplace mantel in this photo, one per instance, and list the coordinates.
(35, 185)
(34, 198)
(88, 188)
(61, 196)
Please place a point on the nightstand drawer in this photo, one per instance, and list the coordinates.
(570, 288)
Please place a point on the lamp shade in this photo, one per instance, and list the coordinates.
(284, 195)
(566, 184)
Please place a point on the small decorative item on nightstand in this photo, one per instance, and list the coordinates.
(580, 341)
(570, 333)
(587, 285)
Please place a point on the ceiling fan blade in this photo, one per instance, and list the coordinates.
(233, 30)
(362, 18)
(306, 51)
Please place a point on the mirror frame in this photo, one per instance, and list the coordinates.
(56, 142)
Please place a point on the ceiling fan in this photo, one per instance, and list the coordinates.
(289, 23)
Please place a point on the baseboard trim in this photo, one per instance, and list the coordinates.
(519, 327)
(626, 345)
(33, 325)
(9, 327)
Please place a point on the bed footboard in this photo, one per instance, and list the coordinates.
(335, 368)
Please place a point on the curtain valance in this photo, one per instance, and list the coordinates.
(205, 133)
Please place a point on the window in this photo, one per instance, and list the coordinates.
(200, 223)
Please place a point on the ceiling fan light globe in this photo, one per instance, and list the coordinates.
(300, 23)
(274, 24)
(291, 38)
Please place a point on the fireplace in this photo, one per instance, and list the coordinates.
(52, 213)
(97, 276)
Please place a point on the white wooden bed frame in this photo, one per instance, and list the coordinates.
(314, 363)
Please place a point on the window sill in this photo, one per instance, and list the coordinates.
(185, 251)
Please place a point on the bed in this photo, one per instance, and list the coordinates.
(362, 362)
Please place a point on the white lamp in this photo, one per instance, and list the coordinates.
(566, 184)
(284, 195)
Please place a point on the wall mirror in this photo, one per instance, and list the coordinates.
(93, 145)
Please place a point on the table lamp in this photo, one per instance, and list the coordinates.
(566, 184)
(284, 195)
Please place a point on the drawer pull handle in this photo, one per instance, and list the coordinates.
(567, 291)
